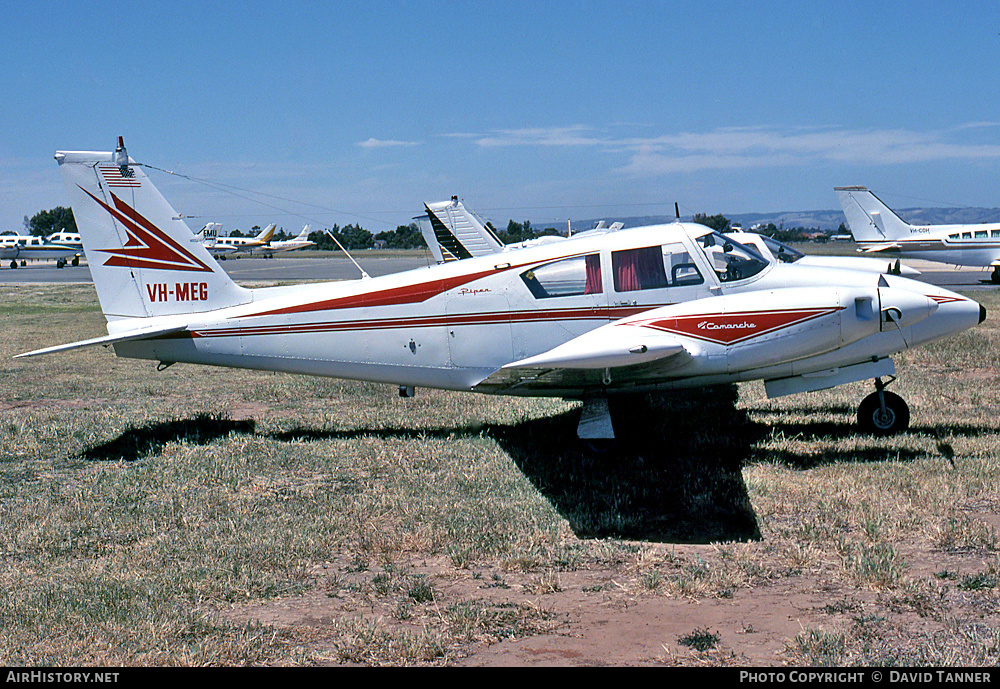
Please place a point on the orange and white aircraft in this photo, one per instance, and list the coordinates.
(247, 245)
(633, 311)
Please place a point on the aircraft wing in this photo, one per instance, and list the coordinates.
(140, 334)
(881, 247)
(585, 360)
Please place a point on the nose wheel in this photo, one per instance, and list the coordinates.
(883, 412)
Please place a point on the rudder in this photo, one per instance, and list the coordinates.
(868, 218)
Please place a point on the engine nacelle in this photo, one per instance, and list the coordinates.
(744, 331)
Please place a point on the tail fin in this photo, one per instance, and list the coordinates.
(144, 259)
(304, 234)
(868, 218)
(266, 234)
(452, 232)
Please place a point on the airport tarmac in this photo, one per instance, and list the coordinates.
(243, 270)
(284, 269)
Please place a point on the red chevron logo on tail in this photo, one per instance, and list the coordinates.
(148, 246)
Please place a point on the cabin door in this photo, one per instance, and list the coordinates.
(478, 331)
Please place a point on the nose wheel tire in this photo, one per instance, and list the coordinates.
(888, 418)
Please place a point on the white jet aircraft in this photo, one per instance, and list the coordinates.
(18, 247)
(635, 311)
(876, 228)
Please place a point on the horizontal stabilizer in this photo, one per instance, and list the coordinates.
(140, 334)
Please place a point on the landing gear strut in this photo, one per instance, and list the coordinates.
(883, 412)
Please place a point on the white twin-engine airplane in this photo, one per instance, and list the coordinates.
(299, 241)
(248, 245)
(634, 311)
(876, 228)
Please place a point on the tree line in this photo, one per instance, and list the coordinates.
(721, 223)
(355, 237)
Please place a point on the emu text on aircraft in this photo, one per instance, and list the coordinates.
(633, 311)
(876, 228)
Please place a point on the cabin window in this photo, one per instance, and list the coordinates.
(654, 267)
(636, 269)
(566, 278)
(981, 234)
(966, 235)
(680, 268)
(953, 236)
(995, 233)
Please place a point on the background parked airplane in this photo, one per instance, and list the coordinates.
(66, 239)
(209, 235)
(876, 228)
(249, 245)
(300, 241)
(453, 232)
(774, 250)
(17, 247)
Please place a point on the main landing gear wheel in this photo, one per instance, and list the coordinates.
(883, 413)
(995, 277)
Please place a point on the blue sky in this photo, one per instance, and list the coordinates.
(360, 112)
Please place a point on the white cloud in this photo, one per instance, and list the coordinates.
(385, 143)
(750, 147)
(739, 148)
(576, 135)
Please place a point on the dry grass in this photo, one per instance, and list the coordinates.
(141, 511)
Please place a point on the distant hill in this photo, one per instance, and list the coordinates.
(828, 220)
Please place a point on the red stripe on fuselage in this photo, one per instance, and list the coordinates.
(580, 314)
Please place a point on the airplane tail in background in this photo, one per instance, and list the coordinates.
(144, 259)
(453, 232)
(868, 218)
(265, 236)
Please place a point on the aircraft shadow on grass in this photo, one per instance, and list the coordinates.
(136, 443)
(676, 476)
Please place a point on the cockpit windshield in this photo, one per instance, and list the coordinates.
(782, 252)
(730, 259)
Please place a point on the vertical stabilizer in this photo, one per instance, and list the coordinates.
(453, 232)
(144, 259)
(868, 218)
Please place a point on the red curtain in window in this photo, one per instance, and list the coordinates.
(594, 285)
(637, 269)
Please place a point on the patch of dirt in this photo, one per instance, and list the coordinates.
(602, 614)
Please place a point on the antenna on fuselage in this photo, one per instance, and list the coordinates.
(346, 253)
(677, 211)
